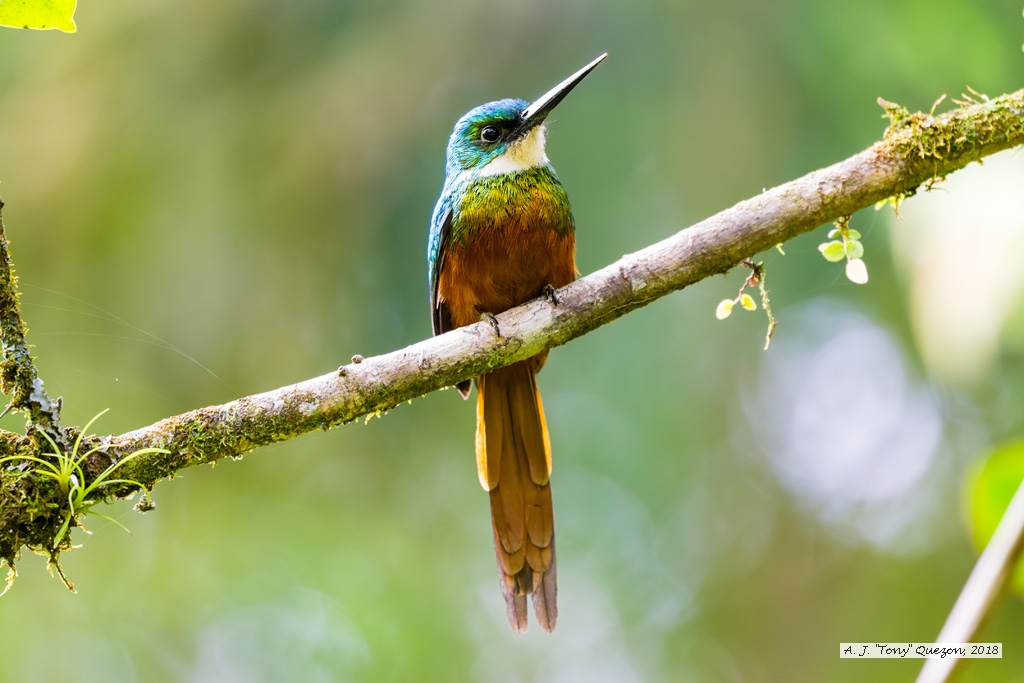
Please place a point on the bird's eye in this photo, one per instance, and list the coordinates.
(490, 134)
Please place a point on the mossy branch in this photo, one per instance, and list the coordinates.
(916, 149)
(19, 380)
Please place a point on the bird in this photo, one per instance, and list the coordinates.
(502, 233)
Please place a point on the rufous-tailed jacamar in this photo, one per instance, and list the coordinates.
(502, 233)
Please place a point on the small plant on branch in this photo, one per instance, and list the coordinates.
(755, 279)
(66, 470)
(847, 246)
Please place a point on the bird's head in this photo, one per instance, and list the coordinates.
(508, 135)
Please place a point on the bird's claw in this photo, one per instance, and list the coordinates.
(494, 323)
(549, 294)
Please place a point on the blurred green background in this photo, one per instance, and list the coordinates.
(207, 200)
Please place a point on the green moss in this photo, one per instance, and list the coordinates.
(32, 511)
(960, 133)
(18, 377)
(940, 144)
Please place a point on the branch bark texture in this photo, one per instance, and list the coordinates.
(916, 149)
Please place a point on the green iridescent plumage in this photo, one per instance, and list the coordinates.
(483, 200)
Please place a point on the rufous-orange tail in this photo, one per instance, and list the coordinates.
(513, 457)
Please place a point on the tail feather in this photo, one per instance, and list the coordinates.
(514, 464)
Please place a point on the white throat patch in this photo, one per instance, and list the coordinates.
(521, 155)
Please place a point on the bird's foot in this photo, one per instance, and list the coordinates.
(488, 317)
(549, 294)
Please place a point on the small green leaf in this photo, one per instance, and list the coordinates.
(854, 249)
(833, 251)
(852, 235)
(39, 14)
(724, 309)
(748, 302)
(856, 271)
(993, 481)
(833, 233)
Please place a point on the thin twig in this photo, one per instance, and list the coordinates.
(987, 580)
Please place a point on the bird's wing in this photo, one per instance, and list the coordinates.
(437, 246)
(440, 231)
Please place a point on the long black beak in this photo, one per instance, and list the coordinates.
(535, 114)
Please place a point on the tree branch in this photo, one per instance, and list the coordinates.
(916, 148)
(18, 377)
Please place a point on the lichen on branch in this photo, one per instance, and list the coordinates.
(19, 380)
